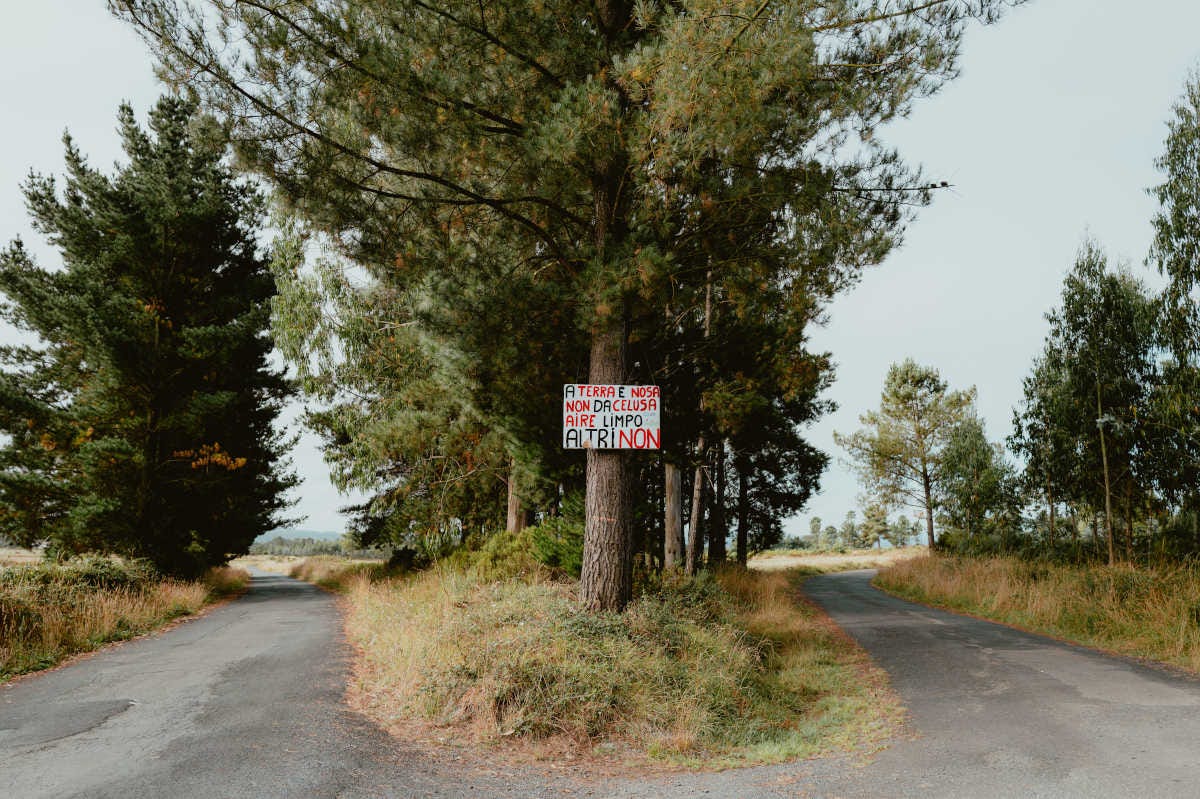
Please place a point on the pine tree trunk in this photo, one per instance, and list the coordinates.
(516, 520)
(717, 531)
(695, 549)
(743, 512)
(1196, 528)
(606, 582)
(695, 544)
(673, 545)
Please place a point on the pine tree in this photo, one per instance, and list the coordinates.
(140, 418)
(898, 452)
(614, 152)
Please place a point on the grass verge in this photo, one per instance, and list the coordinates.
(1147, 612)
(714, 672)
(49, 612)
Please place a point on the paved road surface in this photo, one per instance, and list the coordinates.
(246, 702)
(1005, 713)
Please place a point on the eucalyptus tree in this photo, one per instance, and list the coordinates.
(1176, 254)
(1091, 396)
(1040, 437)
(603, 149)
(139, 418)
(898, 452)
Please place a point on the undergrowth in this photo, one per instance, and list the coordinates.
(51, 611)
(713, 671)
(1144, 611)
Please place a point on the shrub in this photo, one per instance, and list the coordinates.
(558, 544)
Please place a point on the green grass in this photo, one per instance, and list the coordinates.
(713, 672)
(1149, 612)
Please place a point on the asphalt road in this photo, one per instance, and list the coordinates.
(247, 702)
(1004, 713)
(243, 702)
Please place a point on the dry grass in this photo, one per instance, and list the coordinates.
(712, 672)
(334, 573)
(276, 564)
(226, 580)
(1145, 612)
(16, 556)
(834, 561)
(49, 612)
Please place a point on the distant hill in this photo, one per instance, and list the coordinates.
(291, 532)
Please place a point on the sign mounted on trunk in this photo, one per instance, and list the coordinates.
(611, 417)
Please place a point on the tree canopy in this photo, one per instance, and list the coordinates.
(139, 415)
(619, 172)
(898, 453)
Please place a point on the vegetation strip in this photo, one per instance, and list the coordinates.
(49, 612)
(1141, 611)
(717, 671)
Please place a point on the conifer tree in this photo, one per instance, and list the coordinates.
(140, 415)
(898, 451)
(606, 150)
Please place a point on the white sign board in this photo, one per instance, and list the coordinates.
(611, 417)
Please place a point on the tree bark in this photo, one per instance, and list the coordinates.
(695, 544)
(673, 545)
(606, 582)
(1128, 523)
(1196, 528)
(1050, 504)
(717, 531)
(743, 510)
(517, 517)
(927, 484)
(695, 551)
(1108, 527)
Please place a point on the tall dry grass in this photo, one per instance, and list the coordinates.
(49, 612)
(716, 671)
(334, 573)
(1151, 612)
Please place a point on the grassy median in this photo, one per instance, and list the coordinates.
(717, 671)
(51, 611)
(1150, 612)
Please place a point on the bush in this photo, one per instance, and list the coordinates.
(558, 544)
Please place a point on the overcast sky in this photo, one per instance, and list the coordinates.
(1050, 133)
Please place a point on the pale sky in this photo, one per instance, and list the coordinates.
(1050, 133)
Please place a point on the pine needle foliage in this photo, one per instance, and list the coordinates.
(558, 190)
(138, 416)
